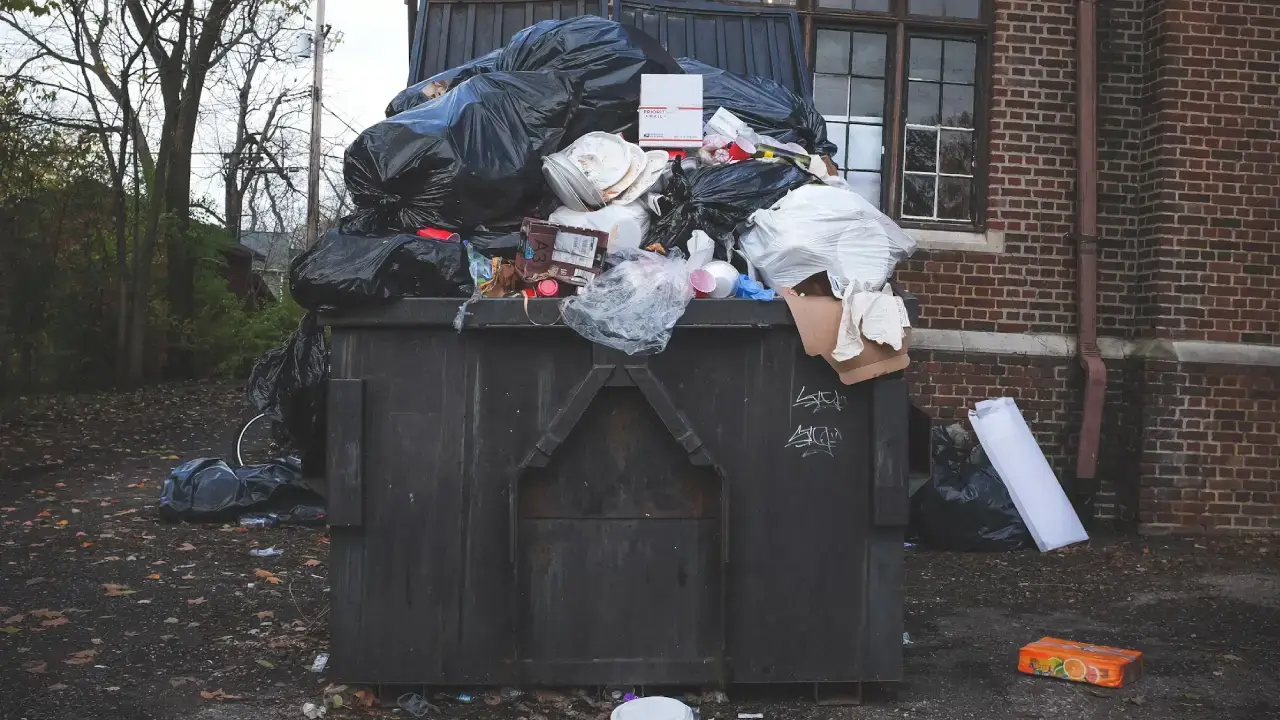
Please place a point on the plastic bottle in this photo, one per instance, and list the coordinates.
(258, 521)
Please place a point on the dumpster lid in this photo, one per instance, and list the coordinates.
(451, 32)
(749, 41)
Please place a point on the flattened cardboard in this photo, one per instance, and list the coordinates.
(818, 321)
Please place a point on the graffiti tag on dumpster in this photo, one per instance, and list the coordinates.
(819, 400)
(816, 440)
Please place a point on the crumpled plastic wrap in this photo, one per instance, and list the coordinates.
(819, 228)
(634, 305)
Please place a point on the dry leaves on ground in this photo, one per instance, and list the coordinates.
(117, 590)
(186, 547)
(265, 614)
(218, 694)
(35, 666)
(84, 657)
(312, 562)
(55, 622)
(196, 601)
(268, 576)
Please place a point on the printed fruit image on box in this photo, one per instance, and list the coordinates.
(1081, 662)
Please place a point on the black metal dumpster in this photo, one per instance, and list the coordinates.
(513, 505)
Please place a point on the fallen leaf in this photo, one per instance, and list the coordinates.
(55, 622)
(153, 576)
(44, 613)
(261, 616)
(9, 629)
(57, 686)
(83, 657)
(186, 547)
(64, 522)
(217, 695)
(86, 544)
(96, 641)
(1233, 658)
(196, 601)
(312, 562)
(268, 576)
(117, 590)
(59, 484)
(266, 664)
(337, 701)
(364, 698)
(14, 619)
(188, 577)
(44, 513)
(1136, 699)
(160, 562)
(173, 457)
(171, 621)
(1190, 696)
(35, 666)
(35, 581)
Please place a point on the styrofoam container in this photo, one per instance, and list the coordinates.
(652, 708)
(726, 276)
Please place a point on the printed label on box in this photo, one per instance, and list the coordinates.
(574, 249)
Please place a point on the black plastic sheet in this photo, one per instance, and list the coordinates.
(346, 271)
(208, 490)
(440, 83)
(288, 385)
(718, 198)
(965, 506)
(471, 156)
(764, 105)
(607, 57)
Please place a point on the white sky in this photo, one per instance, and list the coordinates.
(368, 67)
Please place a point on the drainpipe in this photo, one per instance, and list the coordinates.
(1086, 238)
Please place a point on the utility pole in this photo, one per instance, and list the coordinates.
(317, 90)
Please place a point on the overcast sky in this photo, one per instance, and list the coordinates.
(369, 66)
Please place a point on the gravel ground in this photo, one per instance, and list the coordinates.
(106, 613)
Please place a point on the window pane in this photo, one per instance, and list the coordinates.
(866, 184)
(957, 106)
(837, 4)
(956, 152)
(922, 103)
(955, 198)
(831, 94)
(959, 61)
(866, 99)
(948, 8)
(926, 59)
(864, 147)
(872, 5)
(925, 7)
(868, 54)
(922, 150)
(832, 55)
(836, 134)
(917, 195)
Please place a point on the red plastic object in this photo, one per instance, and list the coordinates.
(737, 154)
(437, 234)
(548, 288)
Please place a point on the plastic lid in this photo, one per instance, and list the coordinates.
(653, 708)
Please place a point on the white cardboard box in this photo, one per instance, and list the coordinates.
(671, 111)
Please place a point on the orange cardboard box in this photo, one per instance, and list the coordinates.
(1081, 662)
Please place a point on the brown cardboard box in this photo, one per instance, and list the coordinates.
(818, 320)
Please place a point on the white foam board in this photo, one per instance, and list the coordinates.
(1035, 490)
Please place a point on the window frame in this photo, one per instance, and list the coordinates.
(898, 24)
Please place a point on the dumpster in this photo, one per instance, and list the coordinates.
(513, 505)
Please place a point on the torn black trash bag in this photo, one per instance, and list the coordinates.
(471, 156)
(209, 490)
(965, 506)
(288, 385)
(440, 83)
(718, 198)
(607, 57)
(764, 105)
(346, 271)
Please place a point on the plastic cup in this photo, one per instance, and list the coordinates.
(703, 282)
(548, 288)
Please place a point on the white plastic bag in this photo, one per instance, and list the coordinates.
(626, 224)
(633, 306)
(817, 228)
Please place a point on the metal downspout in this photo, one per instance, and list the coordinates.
(1086, 237)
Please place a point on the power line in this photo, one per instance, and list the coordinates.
(339, 118)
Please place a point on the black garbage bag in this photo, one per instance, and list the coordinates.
(209, 490)
(288, 385)
(607, 57)
(440, 83)
(965, 506)
(346, 271)
(718, 198)
(764, 105)
(468, 157)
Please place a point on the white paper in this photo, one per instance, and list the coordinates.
(574, 249)
(1034, 488)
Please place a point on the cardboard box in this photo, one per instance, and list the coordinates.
(671, 111)
(565, 254)
(818, 321)
(1080, 662)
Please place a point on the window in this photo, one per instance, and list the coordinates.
(901, 86)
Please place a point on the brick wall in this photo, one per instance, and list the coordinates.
(1189, 215)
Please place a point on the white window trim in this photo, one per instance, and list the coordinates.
(990, 241)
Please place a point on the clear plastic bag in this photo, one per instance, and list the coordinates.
(633, 306)
(819, 228)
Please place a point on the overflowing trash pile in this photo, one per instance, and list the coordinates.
(582, 162)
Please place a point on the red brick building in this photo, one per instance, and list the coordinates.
(981, 105)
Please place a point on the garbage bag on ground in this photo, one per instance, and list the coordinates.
(345, 271)
(965, 506)
(471, 156)
(632, 306)
(764, 105)
(208, 490)
(607, 57)
(440, 83)
(288, 385)
(717, 199)
(820, 228)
